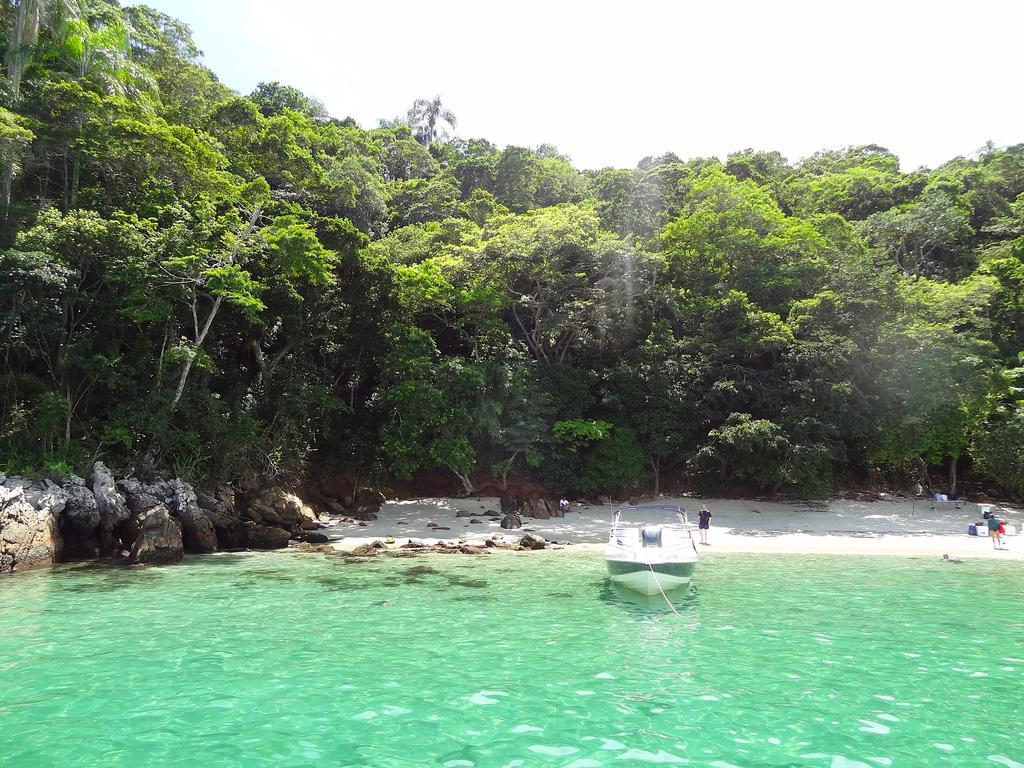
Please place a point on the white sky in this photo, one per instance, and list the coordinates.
(611, 82)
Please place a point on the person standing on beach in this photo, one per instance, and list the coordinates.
(704, 524)
(993, 532)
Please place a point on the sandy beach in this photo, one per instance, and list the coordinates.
(888, 526)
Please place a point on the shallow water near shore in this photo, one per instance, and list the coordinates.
(284, 659)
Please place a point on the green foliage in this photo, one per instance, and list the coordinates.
(274, 98)
(997, 443)
(575, 434)
(616, 462)
(237, 285)
(431, 408)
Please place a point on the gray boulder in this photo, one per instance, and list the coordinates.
(154, 537)
(531, 506)
(261, 513)
(113, 509)
(364, 511)
(46, 495)
(197, 531)
(511, 521)
(212, 505)
(29, 532)
(81, 512)
(532, 541)
(80, 522)
(266, 537)
(141, 497)
(539, 508)
(231, 532)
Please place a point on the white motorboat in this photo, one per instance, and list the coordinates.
(651, 557)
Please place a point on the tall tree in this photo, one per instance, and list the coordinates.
(426, 118)
(29, 18)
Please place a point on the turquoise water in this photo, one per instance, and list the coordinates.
(284, 659)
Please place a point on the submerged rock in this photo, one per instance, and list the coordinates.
(305, 546)
(532, 541)
(266, 537)
(368, 550)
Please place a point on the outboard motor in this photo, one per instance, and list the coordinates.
(651, 535)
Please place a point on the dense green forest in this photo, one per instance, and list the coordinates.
(221, 285)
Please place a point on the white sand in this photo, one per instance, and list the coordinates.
(889, 526)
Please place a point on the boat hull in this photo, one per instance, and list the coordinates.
(650, 578)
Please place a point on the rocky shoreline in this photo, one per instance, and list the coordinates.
(153, 522)
(60, 519)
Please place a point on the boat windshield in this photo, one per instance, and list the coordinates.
(642, 510)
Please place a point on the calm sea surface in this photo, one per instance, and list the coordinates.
(284, 659)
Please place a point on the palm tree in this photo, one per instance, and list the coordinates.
(100, 54)
(425, 116)
(29, 18)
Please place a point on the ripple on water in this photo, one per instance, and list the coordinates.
(484, 698)
(527, 729)
(451, 673)
(543, 749)
(660, 757)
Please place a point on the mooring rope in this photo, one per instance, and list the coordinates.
(658, 585)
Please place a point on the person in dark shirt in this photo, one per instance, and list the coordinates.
(994, 533)
(704, 524)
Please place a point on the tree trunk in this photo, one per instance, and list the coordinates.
(656, 466)
(922, 467)
(76, 170)
(76, 166)
(192, 353)
(505, 470)
(952, 475)
(67, 417)
(467, 484)
(254, 216)
(5, 190)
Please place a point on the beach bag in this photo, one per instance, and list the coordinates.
(972, 530)
(1002, 528)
